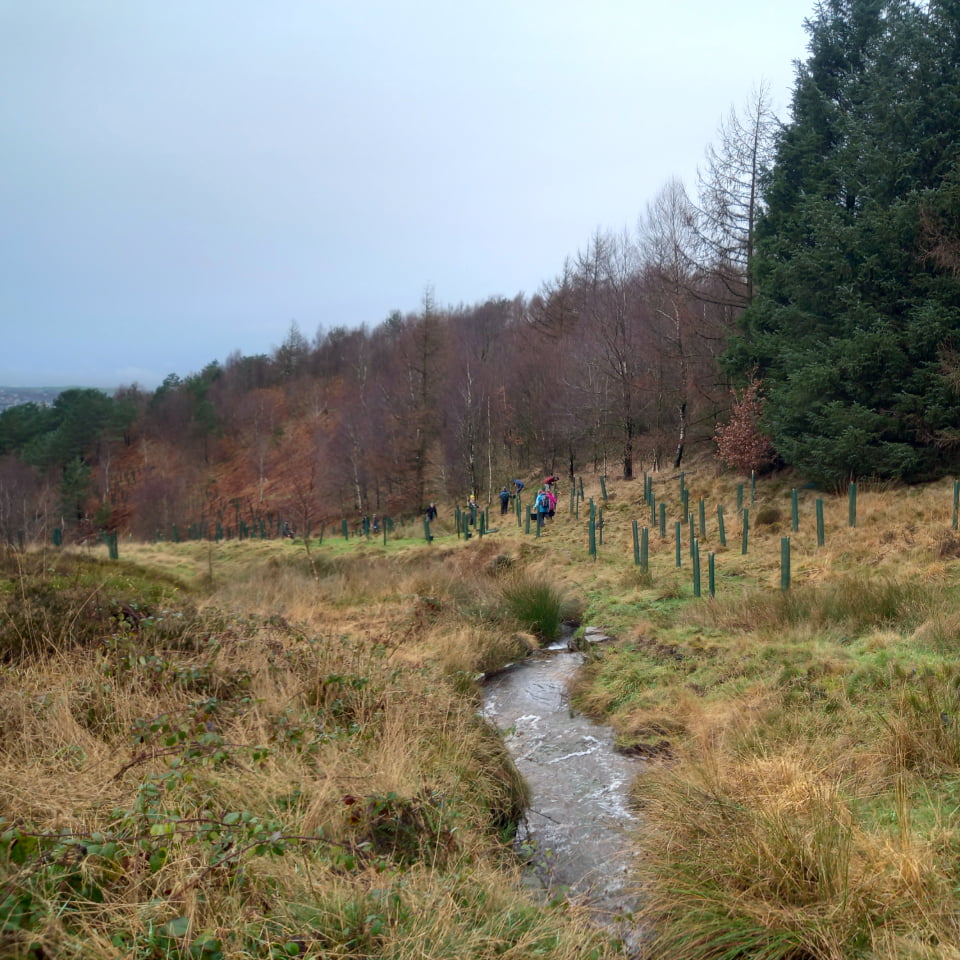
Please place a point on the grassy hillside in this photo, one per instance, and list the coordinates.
(802, 800)
(227, 750)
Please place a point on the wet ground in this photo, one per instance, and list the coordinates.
(578, 825)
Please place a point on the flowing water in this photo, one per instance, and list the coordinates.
(578, 824)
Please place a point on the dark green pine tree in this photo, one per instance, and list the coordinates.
(855, 327)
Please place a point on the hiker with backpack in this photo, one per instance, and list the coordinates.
(542, 507)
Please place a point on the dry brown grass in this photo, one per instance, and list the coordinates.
(329, 738)
(67, 759)
(812, 733)
(773, 849)
(806, 807)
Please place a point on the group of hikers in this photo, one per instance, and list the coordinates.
(544, 505)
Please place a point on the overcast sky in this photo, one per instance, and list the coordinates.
(180, 179)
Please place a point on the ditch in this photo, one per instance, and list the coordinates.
(577, 835)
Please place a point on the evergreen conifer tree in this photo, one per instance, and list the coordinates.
(858, 300)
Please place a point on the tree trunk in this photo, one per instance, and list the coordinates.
(681, 435)
(628, 450)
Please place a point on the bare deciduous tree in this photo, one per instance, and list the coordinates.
(612, 312)
(729, 200)
(667, 239)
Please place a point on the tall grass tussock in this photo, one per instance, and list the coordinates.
(536, 604)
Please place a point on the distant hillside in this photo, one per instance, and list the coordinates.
(13, 396)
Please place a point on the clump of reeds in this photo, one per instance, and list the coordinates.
(922, 723)
(536, 604)
(768, 515)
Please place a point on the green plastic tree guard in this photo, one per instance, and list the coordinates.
(695, 559)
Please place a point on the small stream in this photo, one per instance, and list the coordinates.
(578, 824)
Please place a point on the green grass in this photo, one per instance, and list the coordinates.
(536, 605)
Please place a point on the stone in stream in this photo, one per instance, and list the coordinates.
(590, 635)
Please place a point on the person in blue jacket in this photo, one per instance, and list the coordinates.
(542, 506)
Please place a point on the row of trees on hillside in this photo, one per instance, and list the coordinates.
(611, 365)
(826, 247)
(48, 455)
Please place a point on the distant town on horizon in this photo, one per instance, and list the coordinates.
(14, 396)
